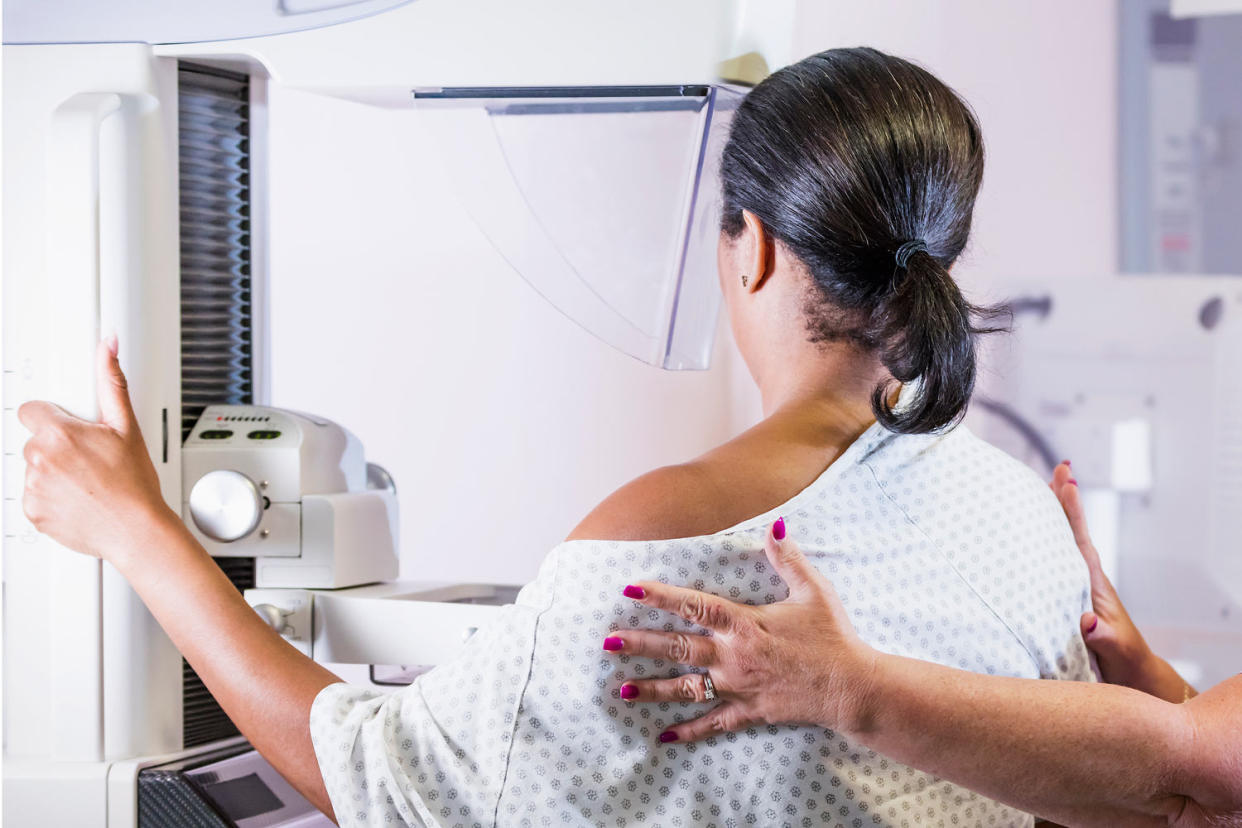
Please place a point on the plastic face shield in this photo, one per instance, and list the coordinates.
(606, 200)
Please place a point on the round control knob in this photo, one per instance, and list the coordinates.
(225, 505)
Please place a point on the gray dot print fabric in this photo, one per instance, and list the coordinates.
(941, 547)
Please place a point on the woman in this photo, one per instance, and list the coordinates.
(1148, 752)
(849, 181)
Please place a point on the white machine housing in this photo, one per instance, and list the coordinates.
(94, 691)
(315, 523)
(1148, 406)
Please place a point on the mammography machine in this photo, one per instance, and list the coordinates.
(137, 187)
(291, 491)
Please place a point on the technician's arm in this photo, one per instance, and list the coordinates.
(1076, 753)
(92, 488)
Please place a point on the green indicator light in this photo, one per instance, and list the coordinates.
(215, 434)
(263, 435)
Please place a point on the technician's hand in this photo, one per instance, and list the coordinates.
(1120, 649)
(91, 486)
(799, 660)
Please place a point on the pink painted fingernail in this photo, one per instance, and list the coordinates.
(668, 736)
(1095, 623)
(629, 691)
(1065, 463)
(1072, 482)
(637, 593)
(778, 529)
(612, 642)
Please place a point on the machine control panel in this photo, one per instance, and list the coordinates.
(266, 426)
(246, 469)
(294, 492)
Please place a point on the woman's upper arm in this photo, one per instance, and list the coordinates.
(670, 502)
(418, 755)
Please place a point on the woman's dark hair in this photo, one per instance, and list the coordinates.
(846, 156)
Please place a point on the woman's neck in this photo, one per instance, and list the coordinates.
(814, 411)
(826, 388)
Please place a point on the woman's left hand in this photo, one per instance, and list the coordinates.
(91, 486)
(799, 660)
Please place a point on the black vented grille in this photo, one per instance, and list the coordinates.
(169, 798)
(202, 719)
(216, 325)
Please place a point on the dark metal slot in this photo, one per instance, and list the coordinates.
(217, 357)
(216, 308)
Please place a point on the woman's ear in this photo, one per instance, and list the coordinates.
(756, 253)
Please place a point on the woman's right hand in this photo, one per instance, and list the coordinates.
(1122, 653)
(91, 486)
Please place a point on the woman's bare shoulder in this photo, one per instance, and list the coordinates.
(745, 477)
(669, 502)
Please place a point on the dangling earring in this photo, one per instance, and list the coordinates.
(745, 279)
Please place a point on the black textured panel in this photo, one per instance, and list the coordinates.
(213, 125)
(202, 718)
(166, 799)
(239, 570)
(217, 358)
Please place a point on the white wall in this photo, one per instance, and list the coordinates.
(1042, 78)
(502, 421)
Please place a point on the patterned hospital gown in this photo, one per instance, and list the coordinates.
(941, 547)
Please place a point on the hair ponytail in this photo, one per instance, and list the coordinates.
(926, 333)
(855, 161)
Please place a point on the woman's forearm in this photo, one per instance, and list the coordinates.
(263, 683)
(92, 487)
(1076, 753)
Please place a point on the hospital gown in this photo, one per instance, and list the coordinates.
(941, 547)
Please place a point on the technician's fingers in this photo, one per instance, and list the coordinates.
(680, 648)
(1101, 635)
(115, 409)
(1089, 623)
(1071, 503)
(728, 716)
(1061, 475)
(688, 688)
(789, 562)
(696, 607)
(1104, 639)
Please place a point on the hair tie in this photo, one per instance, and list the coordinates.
(909, 249)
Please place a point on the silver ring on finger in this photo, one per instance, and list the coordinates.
(709, 689)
